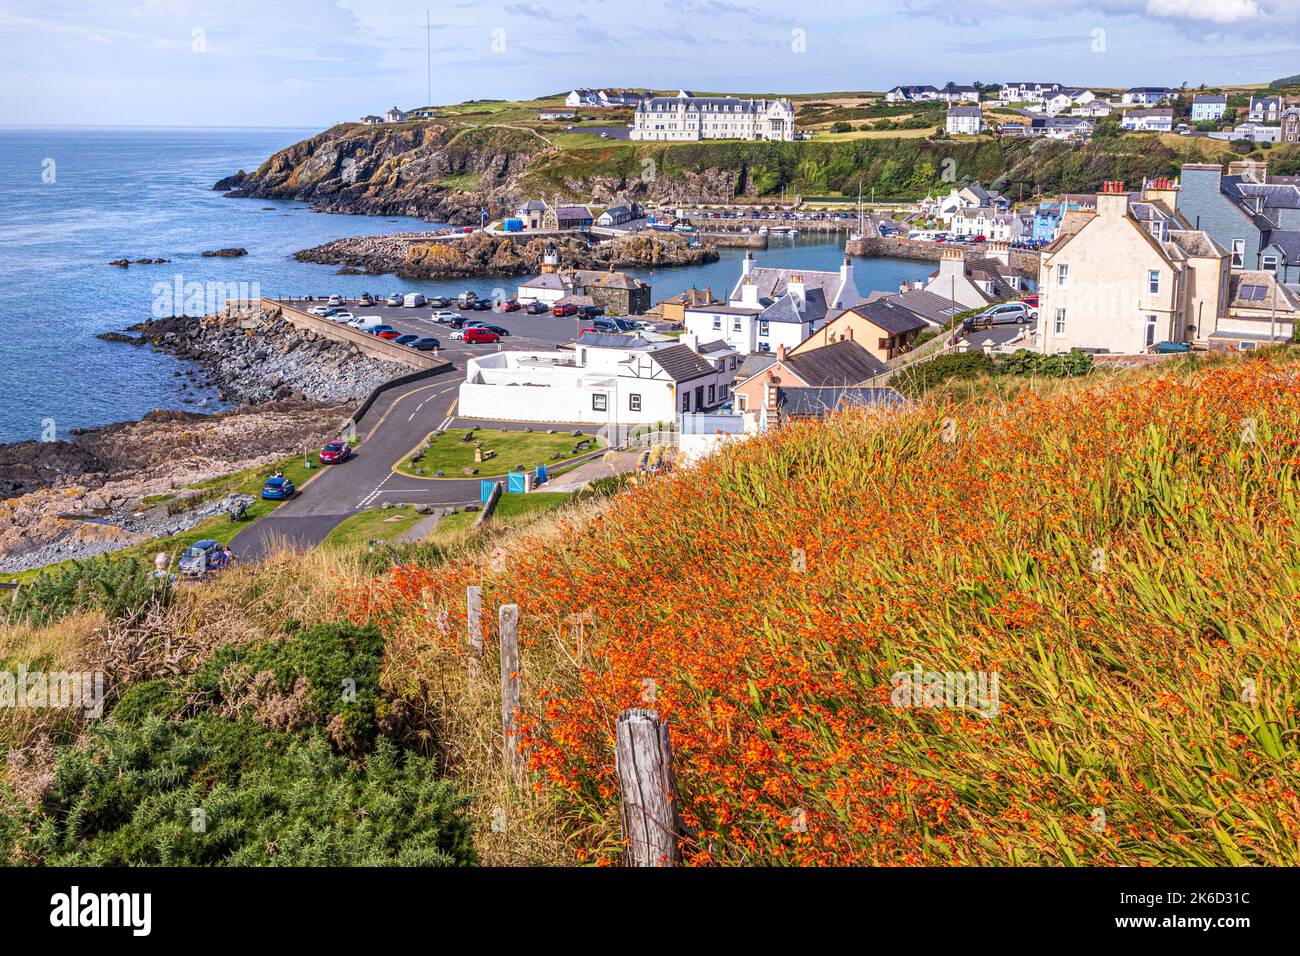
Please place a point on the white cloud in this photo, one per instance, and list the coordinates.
(1216, 11)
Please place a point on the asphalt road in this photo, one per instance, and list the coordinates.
(401, 419)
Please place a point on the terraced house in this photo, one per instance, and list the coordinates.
(1130, 275)
(1256, 220)
(689, 118)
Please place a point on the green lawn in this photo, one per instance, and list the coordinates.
(382, 523)
(451, 455)
(247, 482)
(512, 508)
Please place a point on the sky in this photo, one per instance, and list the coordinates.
(312, 63)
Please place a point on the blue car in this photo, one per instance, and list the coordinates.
(278, 489)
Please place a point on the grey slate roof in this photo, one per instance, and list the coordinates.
(681, 364)
(842, 363)
(754, 363)
(933, 308)
(784, 309)
(613, 340)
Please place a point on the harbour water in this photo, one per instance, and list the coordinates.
(72, 199)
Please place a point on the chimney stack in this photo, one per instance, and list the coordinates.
(780, 354)
(795, 286)
(748, 293)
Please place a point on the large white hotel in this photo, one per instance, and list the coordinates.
(685, 117)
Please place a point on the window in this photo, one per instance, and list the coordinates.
(686, 401)
(1245, 346)
(712, 390)
(742, 401)
(1268, 263)
(598, 401)
(735, 323)
(1238, 253)
(734, 360)
(1153, 282)
(717, 323)
(1062, 276)
(634, 402)
(1060, 322)
(1152, 321)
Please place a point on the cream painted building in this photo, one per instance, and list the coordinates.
(1130, 275)
(687, 118)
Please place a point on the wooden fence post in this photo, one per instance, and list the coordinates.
(474, 617)
(643, 760)
(509, 630)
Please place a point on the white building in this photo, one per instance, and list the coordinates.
(1265, 109)
(992, 224)
(959, 94)
(394, 115)
(688, 118)
(911, 94)
(1062, 100)
(769, 307)
(1149, 121)
(965, 121)
(1028, 92)
(602, 380)
(1146, 95)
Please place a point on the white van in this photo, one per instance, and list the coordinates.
(366, 322)
(413, 300)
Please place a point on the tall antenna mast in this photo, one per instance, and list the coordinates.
(428, 57)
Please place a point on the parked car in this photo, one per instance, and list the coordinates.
(481, 305)
(511, 305)
(457, 333)
(499, 330)
(536, 307)
(389, 333)
(590, 311)
(438, 301)
(335, 300)
(343, 317)
(478, 336)
(320, 310)
(1008, 313)
(405, 339)
(567, 309)
(1031, 301)
(425, 343)
(278, 489)
(644, 326)
(413, 300)
(366, 322)
(365, 299)
(466, 229)
(442, 315)
(201, 558)
(395, 299)
(335, 452)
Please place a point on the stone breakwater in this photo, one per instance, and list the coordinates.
(249, 356)
(415, 255)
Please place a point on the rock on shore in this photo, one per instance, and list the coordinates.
(251, 357)
(412, 255)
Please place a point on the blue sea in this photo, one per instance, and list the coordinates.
(71, 199)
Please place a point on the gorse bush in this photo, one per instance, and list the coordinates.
(118, 587)
(279, 753)
(916, 380)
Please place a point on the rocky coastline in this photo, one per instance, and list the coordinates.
(414, 255)
(107, 488)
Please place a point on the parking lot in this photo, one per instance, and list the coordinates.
(545, 331)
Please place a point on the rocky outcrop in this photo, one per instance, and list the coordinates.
(233, 252)
(424, 169)
(414, 255)
(252, 357)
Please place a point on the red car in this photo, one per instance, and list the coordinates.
(475, 335)
(466, 229)
(1031, 301)
(567, 309)
(390, 334)
(335, 452)
(511, 306)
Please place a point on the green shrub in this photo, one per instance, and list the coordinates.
(118, 587)
(268, 754)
